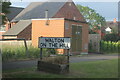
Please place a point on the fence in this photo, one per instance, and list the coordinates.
(15, 43)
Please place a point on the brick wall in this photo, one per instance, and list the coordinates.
(69, 12)
(26, 33)
(85, 38)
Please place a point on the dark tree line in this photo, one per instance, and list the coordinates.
(4, 6)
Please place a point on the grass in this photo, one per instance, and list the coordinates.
(13, 53)
(93, 69)
(18, 52)
(97, 69)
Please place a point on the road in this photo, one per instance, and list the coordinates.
(73, 59)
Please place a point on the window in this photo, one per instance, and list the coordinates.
(10, 25)
(66, 25)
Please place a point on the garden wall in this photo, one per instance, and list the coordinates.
(94, 40)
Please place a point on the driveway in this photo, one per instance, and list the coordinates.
(93, 57)
(73, 59)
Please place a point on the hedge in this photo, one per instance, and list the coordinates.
(109, 46)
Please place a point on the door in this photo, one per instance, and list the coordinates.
(79, 38)
(73, 40)
(76, 44)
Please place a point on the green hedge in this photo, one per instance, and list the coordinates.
(109, 46)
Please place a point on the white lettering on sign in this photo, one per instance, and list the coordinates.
(54, 42)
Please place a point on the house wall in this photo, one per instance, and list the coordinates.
(85, 38)
(39, 28)
(56, 28)
(69, 12)
(26, 33)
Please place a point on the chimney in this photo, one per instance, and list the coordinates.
(74, 18)
(46, 14)
(114, 20)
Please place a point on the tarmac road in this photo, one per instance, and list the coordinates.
(73, 59)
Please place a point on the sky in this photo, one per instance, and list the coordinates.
(106, 8)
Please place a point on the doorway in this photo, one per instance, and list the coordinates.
(76, 40)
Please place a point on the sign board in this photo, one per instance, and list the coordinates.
(54, 42)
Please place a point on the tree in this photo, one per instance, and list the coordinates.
(111, 37)
(95, 20)
(5, 6)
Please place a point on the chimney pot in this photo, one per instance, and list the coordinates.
(46, 14)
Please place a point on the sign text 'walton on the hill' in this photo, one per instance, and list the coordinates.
(54, 42)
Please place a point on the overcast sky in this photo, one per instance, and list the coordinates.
(106, 8)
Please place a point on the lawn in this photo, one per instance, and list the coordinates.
(91, 69)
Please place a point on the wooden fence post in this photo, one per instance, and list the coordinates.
(26, 48)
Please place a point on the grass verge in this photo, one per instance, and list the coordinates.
(91, 69)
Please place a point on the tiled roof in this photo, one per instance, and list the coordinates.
(14, 11)
(36, 10)
(17, 28)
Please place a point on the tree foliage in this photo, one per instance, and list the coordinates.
(94, 19)
(111, 37)
(5, 6)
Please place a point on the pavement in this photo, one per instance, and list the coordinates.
(73, 59)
